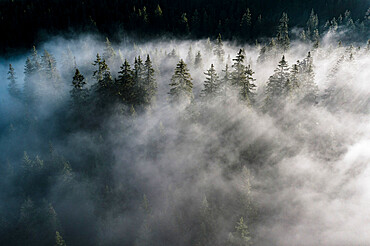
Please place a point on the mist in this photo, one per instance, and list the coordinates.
(206, 171)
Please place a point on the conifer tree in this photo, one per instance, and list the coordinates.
(189, 57)
(282, 37)
(138, 71)
(78, 93)
(59, 241)
(242, 78)
(308, 87)
(226, 80)
(218, 49)
(312, 26)
(13, 89)
(104, 86)
(238, 75)
(109, 53)
(198, 60)
(49, 68)
(212, 83)
(181, 85)
(246, 24)
(241, 235)
(150, 84)
(276, 85)
(127, 88)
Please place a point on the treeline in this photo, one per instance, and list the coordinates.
(48, 190)
(243, 20)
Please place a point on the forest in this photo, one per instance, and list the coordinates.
(139, 130)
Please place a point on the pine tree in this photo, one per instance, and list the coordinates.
(150, 84)
(246, 24)
(283, 33)
(104, 86)
(212, 83)
(226, 80)
(59, 241)
(218, 49)
(308, 88)
(241, 235)
(13, 89)
(312, 26)
(138, 71)
(198, 60)
(49, 68)
(181, 85)
(78, 93)
(189, 57)
(127, 88)
(242, 78)
(238, 75)
(248, 88)
(109, 53)
(276, 85)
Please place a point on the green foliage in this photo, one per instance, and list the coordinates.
(13, 89)
(59, 241)
(212, 83)
(181, 85)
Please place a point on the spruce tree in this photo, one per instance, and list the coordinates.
(150, 84)
(212, 83)
(78, 93)
(226, 80)
(104, 87)
(13, 89)
(283, 33)
(59, 241)
(218, 49)
(127, 88)
(241, 235)
(198, 61)
(246, 24)
(190, 57)
(181, 85)
(109, 53)
(238, 75)
(276, 85)
(312, 26)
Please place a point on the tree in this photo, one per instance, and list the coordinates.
(238, 75)
(150, 84)
(276, 85)
(127, 87)
(241, 235)
(312, 26)
(104, 87)
(218, 49)
(109, 53)
(212, 83)
(226, 80)
(189, 57)
(246, 24)
(198, 60)
(242, 78)
(181, 85)
(308, 87)
(78, 93)
(13, 89)
(59, 241)
(49, 68)
(282, 37)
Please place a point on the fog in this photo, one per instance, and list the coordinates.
(184, 174)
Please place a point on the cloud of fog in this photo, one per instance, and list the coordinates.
(298, 178)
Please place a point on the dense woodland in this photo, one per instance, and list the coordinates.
(242, 20)
(179, 142)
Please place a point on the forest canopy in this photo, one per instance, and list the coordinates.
(185, 123)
